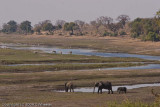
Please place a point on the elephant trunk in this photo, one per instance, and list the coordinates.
(93, 89)
(65, 87)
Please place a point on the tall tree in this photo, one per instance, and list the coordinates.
(123, 19)
(48, 27)
(26, 27)
(10, 27)
(158, 14)
(80, 24)
(95, 24)
(104, 20)
(60, 23)
(37, 28)
(70, 27)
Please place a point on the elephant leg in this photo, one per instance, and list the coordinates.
(108, 91)
(70, 89)
(101, 91)
(98, 90)
(66, 89)
(112, 91)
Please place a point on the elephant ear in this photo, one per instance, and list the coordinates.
(100, 84)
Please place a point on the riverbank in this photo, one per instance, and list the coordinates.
(103, 44)
(39, 87)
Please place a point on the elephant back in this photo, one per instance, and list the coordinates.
(107, 85)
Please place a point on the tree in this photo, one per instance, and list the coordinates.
(45, 26)
(37, 28)
(48, 27)
(26, 27)
(123, 19)
(95, 24)
(104, 20)
(70, 27)
(158, 14)
(10, 27)
(60, 22)
(114, 27)
(152, 36)
(80, 24)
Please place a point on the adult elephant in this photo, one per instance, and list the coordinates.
(103, 85)
(69, 86)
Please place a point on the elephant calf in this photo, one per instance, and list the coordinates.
(69, 86)
(121, 90)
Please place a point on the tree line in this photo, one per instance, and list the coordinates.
(147, 29)
(144, 28)
(78, 26)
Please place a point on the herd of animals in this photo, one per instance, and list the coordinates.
(104, 85)
(69, 86)
(55, 52)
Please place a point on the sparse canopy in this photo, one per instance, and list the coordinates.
(79, 23)
(60, 23)
(37, 28)
(104, 20)
(123, 19)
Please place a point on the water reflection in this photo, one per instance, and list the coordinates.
(89, 89)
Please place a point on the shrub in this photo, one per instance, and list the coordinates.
(122, 33)
(106, 33)
(114, 34)
(152, 36)
(134, 35)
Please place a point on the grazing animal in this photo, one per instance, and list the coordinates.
(155, 94)
(70, 52)
(35, 52)
(69, 86)
(60, 52)
(103, 85)
(122, 89)
(54, 52)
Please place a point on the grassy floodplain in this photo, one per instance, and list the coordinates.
(38, 87)
(105, 44)
(19, 85)
(61, 62)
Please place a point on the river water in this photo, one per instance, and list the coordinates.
(114, 88)
(88, 52)
(50, 49)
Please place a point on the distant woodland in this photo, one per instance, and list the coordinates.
(146, 29)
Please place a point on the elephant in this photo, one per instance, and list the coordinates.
(54, 52)
(69, 86)
(70, 52)
(60, 52)
(121, 89)
(103, 85)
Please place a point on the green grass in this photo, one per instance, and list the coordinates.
(128, 103)
(121, 45)
(40, 68)
(9, 56)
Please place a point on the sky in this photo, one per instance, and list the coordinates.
(70, 10)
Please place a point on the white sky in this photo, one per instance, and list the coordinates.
(70, 10)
